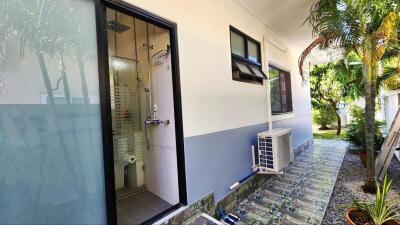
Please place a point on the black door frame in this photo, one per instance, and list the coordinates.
(105, 101)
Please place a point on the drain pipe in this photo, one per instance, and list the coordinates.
(269, 111)
(236, 184)
(255, 170)
(268, 86)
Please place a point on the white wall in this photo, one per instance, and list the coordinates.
(211, 100)
(161, 161)
(391, 104)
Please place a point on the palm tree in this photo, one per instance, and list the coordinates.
(366, 27)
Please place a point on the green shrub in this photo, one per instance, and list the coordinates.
(355, 130)
(323, 117)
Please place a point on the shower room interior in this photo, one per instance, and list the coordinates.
(143, 123)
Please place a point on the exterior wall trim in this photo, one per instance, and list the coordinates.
(283, 116)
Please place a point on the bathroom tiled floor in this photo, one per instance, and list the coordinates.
(140, 207)
(299, 196)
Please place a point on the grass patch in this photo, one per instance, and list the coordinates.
(328, 134)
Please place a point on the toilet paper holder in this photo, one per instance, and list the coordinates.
(127, 160)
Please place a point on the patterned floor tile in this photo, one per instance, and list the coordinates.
(301, 194)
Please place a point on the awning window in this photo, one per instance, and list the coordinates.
(248, 70)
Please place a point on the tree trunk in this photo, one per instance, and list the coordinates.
(83, 79)
(75, 171)
(63, 72)
(46, 78)
(370, 69)
(339, 124)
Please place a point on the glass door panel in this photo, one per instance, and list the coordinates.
(51, 151)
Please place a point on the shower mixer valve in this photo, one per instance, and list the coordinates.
(157, 122)
(152, 120)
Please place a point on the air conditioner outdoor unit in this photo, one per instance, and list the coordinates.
(275, 150)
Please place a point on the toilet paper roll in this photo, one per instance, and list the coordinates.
(129, 159)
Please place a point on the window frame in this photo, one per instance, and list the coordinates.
(288, 97)
(246, 77)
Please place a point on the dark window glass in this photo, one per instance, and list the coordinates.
(246, 62)
(237, 44)
(281, 93)
(243, 68)
(257, 71)
(253, 50)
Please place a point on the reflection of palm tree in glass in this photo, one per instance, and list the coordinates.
(81, 51)
(74, 44)
(27, 19)
(47, 28)
(2, 56)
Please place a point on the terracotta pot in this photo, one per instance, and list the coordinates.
(363, 158)
(356, 211)
(347, 215)
(392, 222)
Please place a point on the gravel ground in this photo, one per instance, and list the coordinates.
(348, 187)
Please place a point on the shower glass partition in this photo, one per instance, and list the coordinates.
(126, 105)
(128, 141)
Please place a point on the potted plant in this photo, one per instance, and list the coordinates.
(380, 212)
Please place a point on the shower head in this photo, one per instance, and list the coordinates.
(117, 27)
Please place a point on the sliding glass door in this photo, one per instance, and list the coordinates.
(51, 150)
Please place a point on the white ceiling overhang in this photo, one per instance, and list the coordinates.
(287, 19)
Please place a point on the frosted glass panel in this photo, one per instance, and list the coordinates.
(50, 128)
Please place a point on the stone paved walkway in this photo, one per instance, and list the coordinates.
(299, 196)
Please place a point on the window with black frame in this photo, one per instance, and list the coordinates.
(281, 92)
(246, 58)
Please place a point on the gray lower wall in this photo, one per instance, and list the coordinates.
(216, 160)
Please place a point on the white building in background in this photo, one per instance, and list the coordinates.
(390, 102)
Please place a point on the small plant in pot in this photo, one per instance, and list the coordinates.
(380, 212)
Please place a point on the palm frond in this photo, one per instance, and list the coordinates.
(385, 31)
(392, 51)
(390, 77)
(317, 42)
